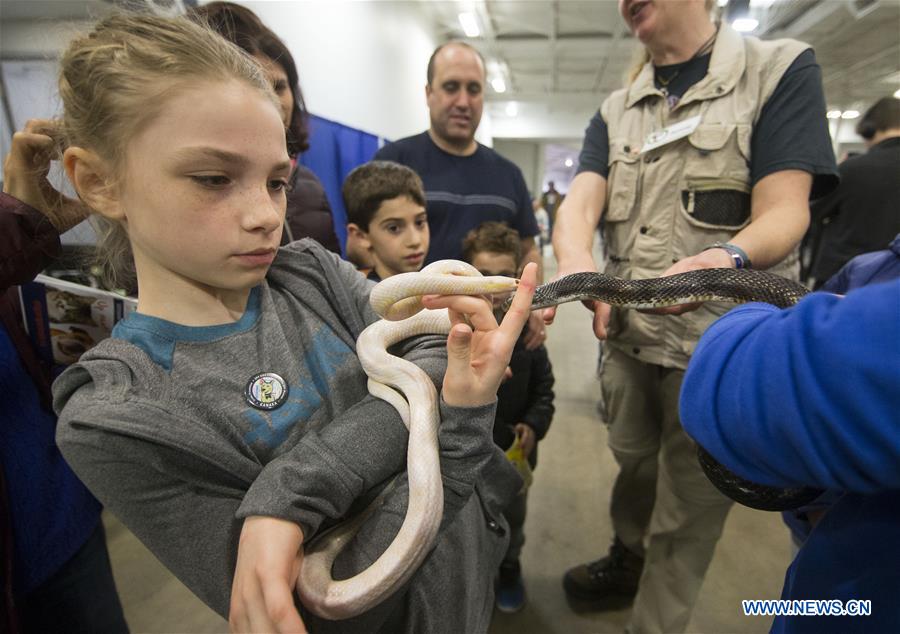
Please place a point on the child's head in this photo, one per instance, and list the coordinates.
(175, 137)
(494, 249)
(385, 205)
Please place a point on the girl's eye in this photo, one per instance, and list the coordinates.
(393, 228)
(421, 224)
(214, 181)
(279, 184)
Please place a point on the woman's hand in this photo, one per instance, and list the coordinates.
(709, 259)
(268, 562)
(601, 310)
(478, 350)
(25, 175)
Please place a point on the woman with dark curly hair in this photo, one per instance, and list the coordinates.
(308, 211)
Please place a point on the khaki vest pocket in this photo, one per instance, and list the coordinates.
(718, 150)
(624, 169)
(717, 204)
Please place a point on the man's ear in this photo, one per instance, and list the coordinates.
(94, 182)
(360, 236)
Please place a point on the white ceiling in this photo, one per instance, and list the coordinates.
(561, 58)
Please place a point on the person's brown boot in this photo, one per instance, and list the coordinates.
(612, 580)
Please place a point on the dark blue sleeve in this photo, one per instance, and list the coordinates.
(525, 223)
(804, 396)
(792, 131)
(594, 155)
(387, 152)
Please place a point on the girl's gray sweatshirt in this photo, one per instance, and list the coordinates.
(158, 423)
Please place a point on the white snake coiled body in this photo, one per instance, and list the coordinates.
(409, 389)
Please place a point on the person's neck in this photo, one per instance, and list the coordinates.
(463, 149)
(382, 271)
(188, 303)
(681, 43)
(884, 135)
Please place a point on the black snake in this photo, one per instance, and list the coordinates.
(728, 285)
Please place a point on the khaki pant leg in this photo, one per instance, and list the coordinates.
(634, 420)
(686, 524)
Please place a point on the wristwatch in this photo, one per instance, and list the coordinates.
(740, 257)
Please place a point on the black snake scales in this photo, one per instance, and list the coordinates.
(728, 285)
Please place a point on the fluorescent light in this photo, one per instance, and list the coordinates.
(745, 25)
(897, 94)
(833, 114)
(722, 3)
(849, 114)
(498, 84)
(469, 24)
(512, 109)
(569, 162)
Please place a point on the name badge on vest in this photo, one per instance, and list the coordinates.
(670, 133)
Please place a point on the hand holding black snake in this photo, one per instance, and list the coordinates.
(728, 285)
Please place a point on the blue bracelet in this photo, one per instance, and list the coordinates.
(740, 257)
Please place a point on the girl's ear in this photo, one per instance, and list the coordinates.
(94, 182)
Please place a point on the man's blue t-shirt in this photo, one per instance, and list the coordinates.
(463, 191)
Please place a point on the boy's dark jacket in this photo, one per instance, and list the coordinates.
(527, 397)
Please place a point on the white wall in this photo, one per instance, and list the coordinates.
(361, 63)
(43, 38)
(844, 137)
(528, 156)
(541, 121)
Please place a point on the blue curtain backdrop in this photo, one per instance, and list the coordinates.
(334, 150)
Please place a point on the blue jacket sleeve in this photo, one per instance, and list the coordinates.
(805, 396)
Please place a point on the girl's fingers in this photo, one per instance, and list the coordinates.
(520, 308)
(31, 150)
(475, 311)
(48, 127)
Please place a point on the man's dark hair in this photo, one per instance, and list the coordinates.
(240, 26)
(492, 237)
(430, 72)
(370, 184)
(884, 115)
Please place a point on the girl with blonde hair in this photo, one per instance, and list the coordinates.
(176, 139)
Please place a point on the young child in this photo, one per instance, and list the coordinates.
(227, 421)
(524, 401)
(385, 204)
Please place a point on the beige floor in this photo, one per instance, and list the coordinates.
(567, 524)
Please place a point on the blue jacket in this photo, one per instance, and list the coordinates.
(810, 396)
(868, 268)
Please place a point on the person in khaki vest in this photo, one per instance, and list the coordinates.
(707, 158)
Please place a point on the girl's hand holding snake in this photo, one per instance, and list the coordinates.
(478, 350)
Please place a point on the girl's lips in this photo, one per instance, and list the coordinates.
(257, 258)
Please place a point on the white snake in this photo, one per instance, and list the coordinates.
(412, 393)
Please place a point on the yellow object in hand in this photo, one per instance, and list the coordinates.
(520, 462)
